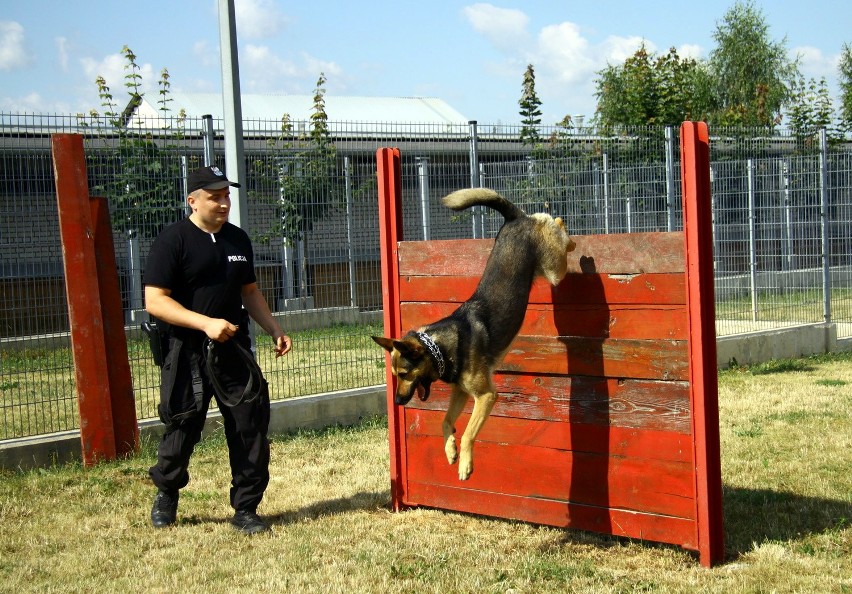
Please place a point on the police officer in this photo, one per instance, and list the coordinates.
(199, 281)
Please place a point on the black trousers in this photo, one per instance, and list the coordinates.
(246, 428)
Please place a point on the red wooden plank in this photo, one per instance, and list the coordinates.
(695, 179)
(562, 514)
(596, 321)
(636, 484)
(84, 308)
(611, 357)
(641, 404)
(565, 435)
(625, 253)
(389, 175)
(122, 404)
(576, 288)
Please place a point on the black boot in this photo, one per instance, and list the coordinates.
(248, 522)
(164, 512)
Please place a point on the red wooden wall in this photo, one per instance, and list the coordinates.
(595, 423)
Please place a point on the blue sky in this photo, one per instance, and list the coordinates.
(472, 55)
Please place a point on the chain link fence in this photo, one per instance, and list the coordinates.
(779, 204)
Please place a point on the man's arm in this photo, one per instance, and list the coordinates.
(159, 303)
(258, 309)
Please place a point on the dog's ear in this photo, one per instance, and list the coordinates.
(410, 349)
(385, 343)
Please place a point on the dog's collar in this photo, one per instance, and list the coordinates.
(434, 350)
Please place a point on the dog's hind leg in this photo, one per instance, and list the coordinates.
(458, 398)
(482, 405)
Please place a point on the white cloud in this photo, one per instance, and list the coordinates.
(264, 71)
(112, 68)
(62, 52)
(505, 28)
(13, 52)
(814, 64)
(258, 19)
(690, 50)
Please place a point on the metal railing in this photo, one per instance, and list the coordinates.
(780, 204)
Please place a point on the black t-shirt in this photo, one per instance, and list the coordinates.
(205, 272)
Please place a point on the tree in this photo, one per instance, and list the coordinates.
(752, 73)
(140, 182)
(647, 90)
(844, 68)
(530, 112)
(810, 109)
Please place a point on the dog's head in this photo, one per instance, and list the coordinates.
(410, 364)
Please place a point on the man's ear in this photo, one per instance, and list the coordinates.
(385, 343)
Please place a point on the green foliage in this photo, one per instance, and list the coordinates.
(649, 89)
(142, 186)
(530, 112)
(305, 171)
(810, 110)
(844, 68)
(752, 73)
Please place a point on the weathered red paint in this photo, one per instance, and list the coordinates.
(104, 389)
(607, 418)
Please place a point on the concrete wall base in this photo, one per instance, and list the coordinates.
(348, 407)
(318, 411)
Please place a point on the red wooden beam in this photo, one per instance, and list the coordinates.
(125, 427)
(85, 316)
(389, 174)
(695, 179)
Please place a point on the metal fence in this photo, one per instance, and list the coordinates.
(779, 204)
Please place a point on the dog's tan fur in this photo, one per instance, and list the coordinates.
(464, 348)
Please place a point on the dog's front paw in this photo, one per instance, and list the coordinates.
(450, 450)
(465, 467)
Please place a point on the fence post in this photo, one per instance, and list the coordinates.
(350, 223)
(478, 222)
(824, 224)
(670, 189)
(752, 241)
(423, 183)
(606, 192)
(787, 239)
(207, 133)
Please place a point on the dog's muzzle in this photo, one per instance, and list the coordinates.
(419, 387)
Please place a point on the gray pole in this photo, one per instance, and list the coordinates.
(478, 231)
(670, 189)
(752, 240)
(824, 224)
(235, 166)
(209, 137)
(423, 182)
(350, 224)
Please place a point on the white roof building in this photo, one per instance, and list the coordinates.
(366, 110)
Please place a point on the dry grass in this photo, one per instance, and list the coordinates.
(786, 434)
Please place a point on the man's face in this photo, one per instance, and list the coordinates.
(211, 206)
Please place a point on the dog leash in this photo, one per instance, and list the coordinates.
(254, 386)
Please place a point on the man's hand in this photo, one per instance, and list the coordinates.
(219, 329)
(283, 344)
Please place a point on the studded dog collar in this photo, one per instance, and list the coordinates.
(434, 350)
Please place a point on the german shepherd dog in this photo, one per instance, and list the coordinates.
(464, 348)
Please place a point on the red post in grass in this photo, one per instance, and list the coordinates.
(698, 232)
(104, 393)
(390, 222)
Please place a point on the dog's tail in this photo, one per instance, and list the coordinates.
(463, 199)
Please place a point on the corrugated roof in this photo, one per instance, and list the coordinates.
(414, 110)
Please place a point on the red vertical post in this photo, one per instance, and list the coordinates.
(389, 174)
(122, 404)
(84, 308)
(698, 232)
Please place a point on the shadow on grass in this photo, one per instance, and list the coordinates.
(754, 516)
